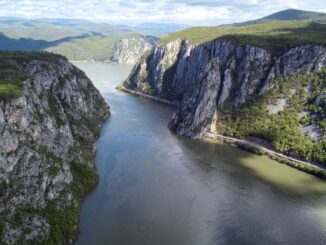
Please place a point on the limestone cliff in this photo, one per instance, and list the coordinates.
(48, 134)
(208, 77)
(128, 50)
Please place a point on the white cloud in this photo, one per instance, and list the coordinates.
(193, 12)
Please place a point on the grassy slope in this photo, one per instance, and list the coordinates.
(274, 35)
(98, 48)
(42, 32)
(295, 14)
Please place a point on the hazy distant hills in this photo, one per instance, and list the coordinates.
(29, 44)
(295, 14)
(53, 29)
(76, 39)
(163, 27)
(85, 40)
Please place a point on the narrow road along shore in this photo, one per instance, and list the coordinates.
(215, 136)
(316, 169)
(167, 102)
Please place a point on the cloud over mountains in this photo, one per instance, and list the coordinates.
(193, 12)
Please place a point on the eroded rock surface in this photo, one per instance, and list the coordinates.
(129, 50)
(47, 135)
(208, 77)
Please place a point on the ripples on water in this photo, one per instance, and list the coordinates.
(157, 188)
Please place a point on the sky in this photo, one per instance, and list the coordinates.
(191, 12)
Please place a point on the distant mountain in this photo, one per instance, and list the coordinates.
(85, 40)
(291, 14)
(22, 44)
(165, 27)
(295, 14)
(287, 24)
(53, 29)
(74, 38)
(31, 22)
(29, 44)
(64, 22)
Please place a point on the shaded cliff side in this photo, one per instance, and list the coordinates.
(49, 124)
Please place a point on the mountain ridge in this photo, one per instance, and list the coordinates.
(296, 14)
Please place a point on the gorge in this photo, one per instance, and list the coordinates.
(223, 83)
(159, 188)
(83, 163)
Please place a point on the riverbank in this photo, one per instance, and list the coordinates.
(129, 91)
(315, 169)
(91, 61)
(98, 62)
(153, 182)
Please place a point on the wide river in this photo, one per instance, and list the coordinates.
(157, 188)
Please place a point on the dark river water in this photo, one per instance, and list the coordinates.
(157, 188)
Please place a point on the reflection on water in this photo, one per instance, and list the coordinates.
(159, 188)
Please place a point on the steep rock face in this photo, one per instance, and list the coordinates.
(128, 50)
(205, 78)
(48, 135)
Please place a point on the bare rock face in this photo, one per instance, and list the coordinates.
(205, 101)
(129, 50)
(205, 78)
(47, 135)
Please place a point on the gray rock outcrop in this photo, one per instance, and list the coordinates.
(129, 50)
(207, 77)
(53, 124)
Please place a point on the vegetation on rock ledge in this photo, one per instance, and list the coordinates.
(284, 129)
(11, 78)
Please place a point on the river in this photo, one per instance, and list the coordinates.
(157, 188)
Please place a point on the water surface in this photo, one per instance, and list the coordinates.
(157, 188)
